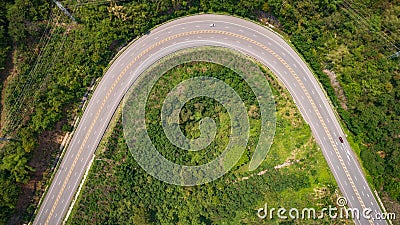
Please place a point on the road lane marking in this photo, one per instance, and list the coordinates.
(207, 32)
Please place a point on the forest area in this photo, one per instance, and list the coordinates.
(47, 61)
(119, 191)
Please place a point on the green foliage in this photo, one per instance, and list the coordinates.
(13, 171)
(8, 195)
(4, 38)
(14, 158)
(22, 15)
(197, 109)
(354, 39)
(56, 60)
(119, 191)
(393, 188)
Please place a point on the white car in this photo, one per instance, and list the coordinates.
(212, 25)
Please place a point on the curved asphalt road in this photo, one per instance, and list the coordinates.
(241, 35)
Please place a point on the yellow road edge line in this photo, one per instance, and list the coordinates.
(202, 32)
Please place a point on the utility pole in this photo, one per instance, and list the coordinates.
(64, 10)
(397, 54)
(4, 139)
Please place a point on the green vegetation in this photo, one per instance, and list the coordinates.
(4, 38)
(353, 40)
(197, 109)
(54, 60)
(119, 191)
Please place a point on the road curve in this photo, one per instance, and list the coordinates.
(238, 34)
